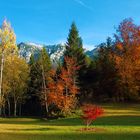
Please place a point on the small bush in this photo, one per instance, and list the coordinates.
(91, 113)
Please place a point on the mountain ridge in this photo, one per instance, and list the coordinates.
(56, 51)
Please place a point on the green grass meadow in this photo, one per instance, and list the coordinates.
(120, 122)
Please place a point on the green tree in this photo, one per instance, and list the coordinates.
(40, 68)
(74, 49)
(105, 67)
(34, 87)
(45, 64)
(74, 46)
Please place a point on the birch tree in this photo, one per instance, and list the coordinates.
(7, 46)
(18, 80)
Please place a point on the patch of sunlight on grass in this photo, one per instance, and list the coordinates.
(119, 123)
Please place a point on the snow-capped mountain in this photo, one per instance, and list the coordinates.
(55, 52)
(27, 49)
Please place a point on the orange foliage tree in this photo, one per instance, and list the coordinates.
(127, 56)
(63, 88)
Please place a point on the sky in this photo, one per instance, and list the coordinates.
(49, 21)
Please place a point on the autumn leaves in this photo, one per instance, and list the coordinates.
(63, 88)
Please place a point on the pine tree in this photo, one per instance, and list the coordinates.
(74, 49)
(40, 68)
(45, 64)
(34, 87)
(74, 46)
(105, 66)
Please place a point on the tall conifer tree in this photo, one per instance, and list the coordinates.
(74, 49)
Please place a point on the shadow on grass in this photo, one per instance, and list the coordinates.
(107, 120)
(72, 136)
(127, 106)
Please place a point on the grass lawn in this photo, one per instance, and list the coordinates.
(120, 122)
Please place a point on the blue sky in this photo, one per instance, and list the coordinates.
(48, 21)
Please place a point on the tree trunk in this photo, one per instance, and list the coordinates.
(3, 110)
(9, 108)
(20, 107)
(1, 78)
(44, 86)
(15, 109)
(46, 104)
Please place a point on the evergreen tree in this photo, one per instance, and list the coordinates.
(33, 104)
(74, 49)
(39, 72)
(45, 63)
(105, 67)
(74, 46)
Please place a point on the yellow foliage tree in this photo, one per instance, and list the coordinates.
(7, 47)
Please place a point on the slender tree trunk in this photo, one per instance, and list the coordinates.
(3, 110)
(15, 109)
(46, 104)
(9, 108)
(44, 85)
(20, 107)
(1, 78)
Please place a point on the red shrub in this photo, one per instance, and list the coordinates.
(91, 113)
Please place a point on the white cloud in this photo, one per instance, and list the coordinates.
(83, 4)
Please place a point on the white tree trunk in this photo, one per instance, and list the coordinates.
(44, 86)
(1, 78)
